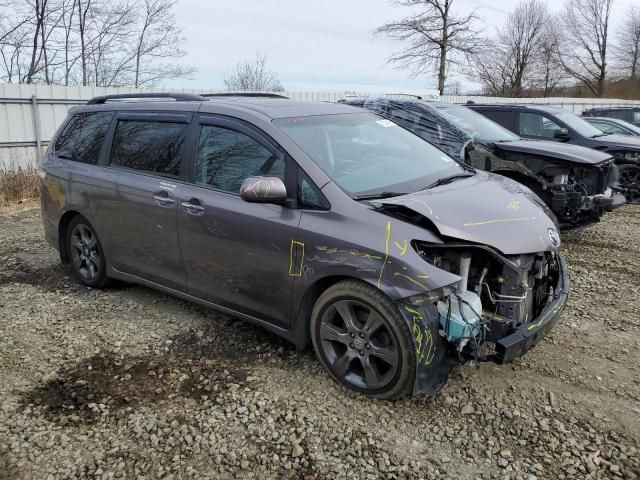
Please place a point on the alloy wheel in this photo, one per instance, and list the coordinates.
(630, 183)
(85, 252)
(359, 345)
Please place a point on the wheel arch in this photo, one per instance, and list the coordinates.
(63, 225)
(527, 180)
(302, 315)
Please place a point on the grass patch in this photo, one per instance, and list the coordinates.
(18, 185)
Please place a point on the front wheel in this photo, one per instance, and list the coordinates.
(85, 254)
(362, 341)
(630, 182)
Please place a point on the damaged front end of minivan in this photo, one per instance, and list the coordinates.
(498, 283)
(500, 308)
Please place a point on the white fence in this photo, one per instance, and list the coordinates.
(30, 114)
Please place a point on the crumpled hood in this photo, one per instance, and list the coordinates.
(557, 150)
(621, 141)
(486, 209)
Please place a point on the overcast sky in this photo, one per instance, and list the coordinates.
(324, 45)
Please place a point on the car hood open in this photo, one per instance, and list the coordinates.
(485, 209)
(559, 151)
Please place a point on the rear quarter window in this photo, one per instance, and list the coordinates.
(82, 138)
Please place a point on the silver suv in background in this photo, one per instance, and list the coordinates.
(322, 223)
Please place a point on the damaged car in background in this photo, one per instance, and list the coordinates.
(578, 184)
(547, 122)
(323, 223)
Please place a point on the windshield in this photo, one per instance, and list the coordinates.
(581, 127)
(477, 125)
(367, 155)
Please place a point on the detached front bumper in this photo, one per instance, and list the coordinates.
(526, 336)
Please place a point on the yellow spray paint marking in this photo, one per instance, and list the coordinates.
(353, 252)
(426, 206)
(499, 220)
(535, 325)
(402, 247)
(387, 235)
(425, 346)
(412, 280)
(513, 205)
(423, 276)
(299, 248)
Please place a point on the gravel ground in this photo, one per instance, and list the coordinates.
(130, 383)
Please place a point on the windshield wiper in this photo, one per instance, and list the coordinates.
(449, 179)
(378, 196)
(600, 135)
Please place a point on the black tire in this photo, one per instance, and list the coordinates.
(630, 182)
(373, 355)
(85, 253)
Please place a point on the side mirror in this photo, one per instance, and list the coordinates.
(263, 190)
(562, 134)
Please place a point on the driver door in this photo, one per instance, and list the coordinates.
(236, 254)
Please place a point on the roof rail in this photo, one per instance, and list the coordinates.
(417, 97)
(243, 94)
(184, 97)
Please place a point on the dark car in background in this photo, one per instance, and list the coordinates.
(544, 122)
(628, 114)
(614, 126)
(575, 182)
(323, 223)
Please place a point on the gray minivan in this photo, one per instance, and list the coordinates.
(320, 222)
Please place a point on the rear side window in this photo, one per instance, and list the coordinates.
(226, 157)
(82, 138)
(149, 146)
(619, 114)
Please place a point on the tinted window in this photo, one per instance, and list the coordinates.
(149, 146)
(82, 138)
(308, 194)
(609, 127)
(226, 157)
(620, 114)
(536, 125)
(477, 125)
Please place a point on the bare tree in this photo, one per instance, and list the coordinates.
(628, 48)
(506, 66)
(435, 37)
(549, 73)
(584, 55)
(90, 42)
(253, 75)
(158, 37)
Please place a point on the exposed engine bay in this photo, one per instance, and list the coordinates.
(496, 294)
(577, 193)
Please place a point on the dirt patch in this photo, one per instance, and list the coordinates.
(108, 381)
(127, 382)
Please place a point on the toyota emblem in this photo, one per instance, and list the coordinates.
(554, 237)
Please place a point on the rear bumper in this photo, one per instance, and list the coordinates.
(526, 336)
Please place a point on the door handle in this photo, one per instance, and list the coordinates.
(163, 198)
(193, 208)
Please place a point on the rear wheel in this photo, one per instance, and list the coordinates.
(362, 341)
(85, 254)
(630, 182)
